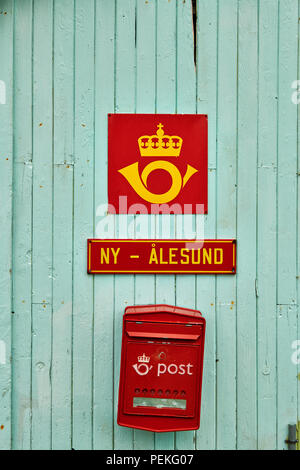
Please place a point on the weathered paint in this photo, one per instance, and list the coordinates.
(6, 207)
(64, 65)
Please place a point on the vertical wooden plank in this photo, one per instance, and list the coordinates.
(124, 102)
(42, 225)
(62, 223)
(207, 35)
(287, 372)
(63, 75)
(83, 225)
(145, 102)
(166, 56)
(298, 218)
(21, 353)
(246, 224)
(165, 103)
(41, 374)
(287, 151)
(185, 60)
(22, 227)
(266, 225)
(287, 221)
(226, 222)
(104, 417)
(186, 103)
(62, 308)
(6, 167)
(146, 51)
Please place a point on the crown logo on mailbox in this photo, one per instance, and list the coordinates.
(160, 144)
(144, 358)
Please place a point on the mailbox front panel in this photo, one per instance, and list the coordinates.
(161, 379)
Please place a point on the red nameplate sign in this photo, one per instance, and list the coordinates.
(161, 256)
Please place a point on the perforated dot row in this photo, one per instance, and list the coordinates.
(160, 392)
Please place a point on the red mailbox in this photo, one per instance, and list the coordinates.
(161, 368)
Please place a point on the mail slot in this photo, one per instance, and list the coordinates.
(161, 368)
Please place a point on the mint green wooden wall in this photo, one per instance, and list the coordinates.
(65, 64)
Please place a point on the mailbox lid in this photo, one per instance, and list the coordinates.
(164, 312)
(163, 330)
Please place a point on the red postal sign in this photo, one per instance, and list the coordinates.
(161, 256)
(157, 163)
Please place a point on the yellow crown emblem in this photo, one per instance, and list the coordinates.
(160, 145)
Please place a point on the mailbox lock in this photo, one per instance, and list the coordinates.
(162, 355)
